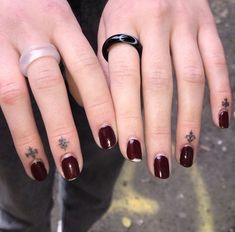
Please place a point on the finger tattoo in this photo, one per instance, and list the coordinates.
(63, 143)
(190, 137)
(225, 103)
(31, 152)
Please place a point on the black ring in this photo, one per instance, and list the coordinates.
(121, 38)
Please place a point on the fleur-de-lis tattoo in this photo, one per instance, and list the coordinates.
(225, 103)
(31, 152)
(63, 143)
(190, 137)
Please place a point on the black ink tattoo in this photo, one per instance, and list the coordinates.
(63, 143)
(32, 152)
(225, 103)
(190, 137)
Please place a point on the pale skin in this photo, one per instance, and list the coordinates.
(179, 35)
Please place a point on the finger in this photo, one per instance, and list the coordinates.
(217, 74)
(49, 90)
(87, 73)
(190, 83)
(16, 106)
(124, 75)
(157, 92)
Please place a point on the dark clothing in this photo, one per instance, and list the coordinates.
(25, 205)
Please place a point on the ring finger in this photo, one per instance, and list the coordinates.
(190, 83)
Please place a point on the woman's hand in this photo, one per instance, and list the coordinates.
(31, 23)
(176, 35)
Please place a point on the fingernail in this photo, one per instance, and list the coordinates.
(161, 167)
(107, 137)
(70, 167)
(134, 152)
(38, 170)
(186, 156)
(224, 119)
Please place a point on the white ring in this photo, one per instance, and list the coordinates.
(29, 56)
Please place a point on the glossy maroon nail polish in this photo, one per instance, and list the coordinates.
(38, 170)
(224, 119)
(161, 167)
(107, 137)
(186, 156)
(70, 167)
(134, 152)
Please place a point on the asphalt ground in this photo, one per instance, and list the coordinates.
(198, 199)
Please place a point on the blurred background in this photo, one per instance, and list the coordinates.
(200, 199)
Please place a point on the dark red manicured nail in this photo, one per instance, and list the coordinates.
(107, 137)
(161, 167)
(186, 156)
(38, 170)
(223, 119)
(70, 167)
(134, 152)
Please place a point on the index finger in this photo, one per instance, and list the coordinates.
(87, 73)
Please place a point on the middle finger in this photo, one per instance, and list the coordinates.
(157, 91)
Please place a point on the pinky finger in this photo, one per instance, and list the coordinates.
(214, 60)
(16, 106)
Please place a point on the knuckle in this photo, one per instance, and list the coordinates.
(159, 8)
(121, 72)
(47, 78)
(26, 139)
(157, 80)
(159, 131)
(59, 9)
(183, 9)
(63, 131)
(193, 75)
(11, 92)
(84, 62)
(218, 60)
(189, 125)
(129, 116)
(98, 106)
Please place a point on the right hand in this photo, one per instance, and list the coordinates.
(35, 22)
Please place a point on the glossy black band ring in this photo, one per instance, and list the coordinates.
(121, 38)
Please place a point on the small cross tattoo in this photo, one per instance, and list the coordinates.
(190, 137)
(32, 152)
(225, 103)
(63, 143)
